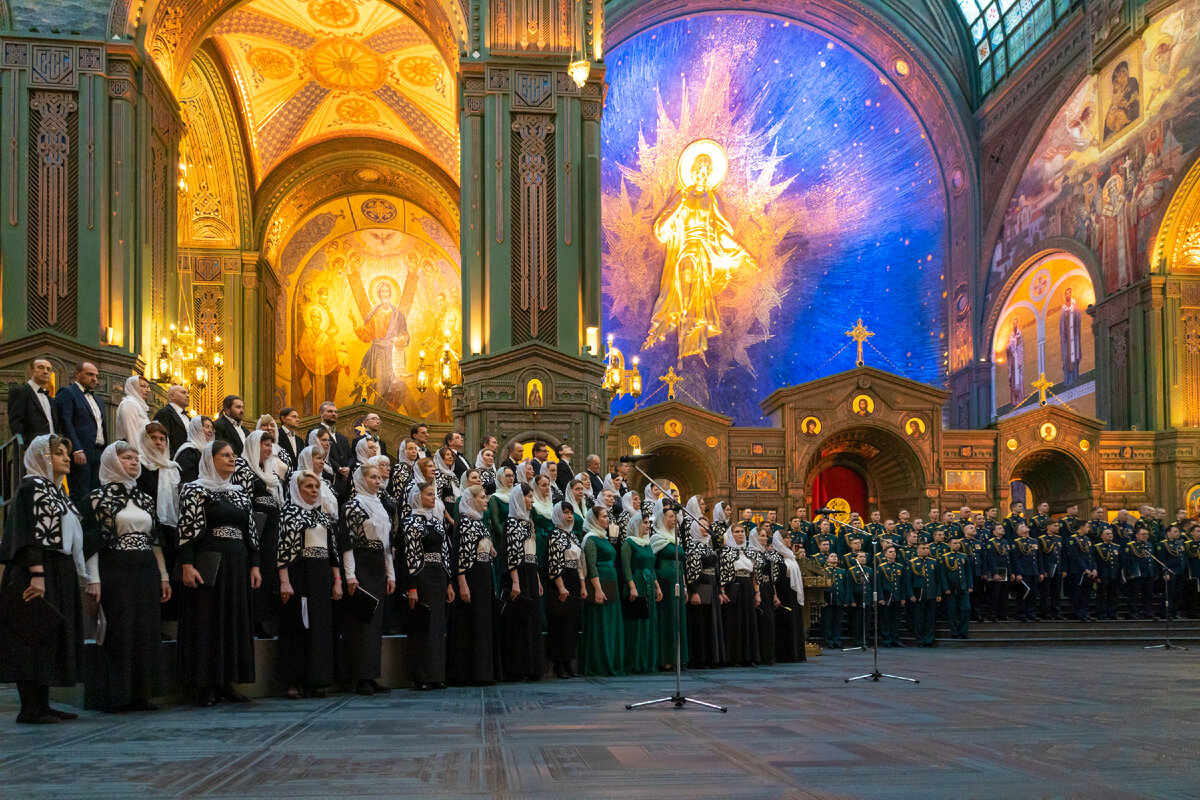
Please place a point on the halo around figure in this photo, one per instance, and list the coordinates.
(708, 147)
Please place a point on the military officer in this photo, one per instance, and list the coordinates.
(860, 578)
(875, 526)
(995, 568)
(893, 594)
(958, 581)
(1174, 566)
(1139, 573)
(1015, 517)
(837, 597)
(1050, 547)
(1071, 522)
(1079, 564)
(1037, 525)
(1191, 588)
(1108, 572)
(925, 589)
(904, 525)
(938, 546)
(1023, 564)
(973, 549)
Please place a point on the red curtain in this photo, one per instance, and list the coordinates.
(841, 482)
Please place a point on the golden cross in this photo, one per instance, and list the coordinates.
(860, 334)
(670, 379)
(1041, 384)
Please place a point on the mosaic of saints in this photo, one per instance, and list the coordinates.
(702, 253)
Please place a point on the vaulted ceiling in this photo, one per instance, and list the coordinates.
(309, 71)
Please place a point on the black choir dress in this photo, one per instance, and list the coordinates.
(473, 643)
(168, 539)
(789, 624)
(188, 459)
(130, 670)
(705, 636)
(427, 550)
(362, 642)
(33, 536)
(266, 505)
(563, 552)
(307, 550)
(739, 615)
(767, 567)
(395, 607)
(216, 632)
(521, 635)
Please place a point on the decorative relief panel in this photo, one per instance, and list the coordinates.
(534, 271)
(533, 27)
(53, 201)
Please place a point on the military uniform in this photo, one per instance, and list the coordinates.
(1108, 572)
(893, 592)
(852, 535)
(1139, 575)
(925, 534)
(1050, 589)
(1191, 587)
(925, 588)
(938, 549)
(973, 550)
(817, 538)
(995, 562)
(837, 597)
(1011, 522)
(1171, 553)
(876, 529)
(859, 581)
(1038, 525)
(957, 578)
(1078, 560)
(1070, 524)
(903, 528)
(1023, 561)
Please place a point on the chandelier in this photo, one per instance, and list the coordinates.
(183, 358)
(445, 367)
(617, 379)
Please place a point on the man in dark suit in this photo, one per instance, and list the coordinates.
(454, 441)
(174, 417)
(228, 425)
(541, 453)
(289, 433)
(83, 424)
(593, 474)
(515, 456)
(566, 473)
(31, 412)
(339, 457)
(419, 433)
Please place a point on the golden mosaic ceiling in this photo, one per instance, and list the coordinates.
(310, 71)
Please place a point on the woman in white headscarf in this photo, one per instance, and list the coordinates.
(312, 459)
(200, 431)
(641, 592)
(521, 630)
(403, 474)
(472, 643)
(365, 541)
(133, 573)
(218, 548)
(525, 472)
(496, 516)
(565, 570)
(258, 473)
(365, 449)
(427, 553)
(447, 482)
(485, 462)
(719, 525)
(706, 645)
(309, 581)
(652, 495)
(768, 569)
(669, 558)
(133, 414)
(42, 550)
(789, 617)
(542, 513)
(624, 511)
(739, 615)
(602, 649)
(578, 497)
(267, 424)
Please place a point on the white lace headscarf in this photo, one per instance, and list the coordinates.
(209, 477)
(268, 471)
(111, 468)
(167, 496)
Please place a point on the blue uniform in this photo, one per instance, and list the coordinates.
(1050, 589)
(1078, 560)
(1109, 574)
(995, 568)
(1139, 574)
(1023, 561)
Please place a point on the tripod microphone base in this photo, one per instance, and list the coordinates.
(1167, 646)
(875, 675)
(862, 647)
(678, 701)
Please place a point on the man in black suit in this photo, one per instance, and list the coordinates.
(566, 473)
(31, 412)
(83, 424)
(454, 441)
(174, 417)
(228, 425)
(593, 474)
(516, 453)
(419, 433)
(289, 433)
(339, 456)
(540, 453)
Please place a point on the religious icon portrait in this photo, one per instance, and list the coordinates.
(533, 394)
(914, 427)
(1048, 431)
(754, 479)
(1120, 89)
(862, 405)
(966, 480)
(1193, 501)
(1126, 452)
(810, 426)
(673, 428)
(1125, 481)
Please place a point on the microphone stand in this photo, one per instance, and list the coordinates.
(678, 699)
(1166, 608)
(874, 674)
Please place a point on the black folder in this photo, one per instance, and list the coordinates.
(360, 605)
(635, 609)
(34, 621)
(207, 563)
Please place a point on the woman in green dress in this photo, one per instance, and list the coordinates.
(641, 623)
(496, 519)
(603, 645)
(577, 497)
(668, 567)
(542, 515)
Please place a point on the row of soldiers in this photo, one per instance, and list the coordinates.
(971, 565)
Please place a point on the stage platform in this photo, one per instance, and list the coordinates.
(1097, 722)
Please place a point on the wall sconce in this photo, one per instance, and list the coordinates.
(592, 340)
(422, 373)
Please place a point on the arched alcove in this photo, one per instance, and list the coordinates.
(890, 466)
(1054, 477)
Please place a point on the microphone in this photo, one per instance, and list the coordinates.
(827, 511)
(632, 459)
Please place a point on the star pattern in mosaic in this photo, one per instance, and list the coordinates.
(308, 71)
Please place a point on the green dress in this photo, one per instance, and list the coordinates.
(542, 526)
(669, 618)
(496, 519)
(602, 646)
(641, 635)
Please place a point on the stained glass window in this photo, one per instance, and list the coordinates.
(1004, 31)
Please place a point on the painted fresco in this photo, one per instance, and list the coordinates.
(363, 306)
(754, 207)
(1043, 328)
(1101, 172)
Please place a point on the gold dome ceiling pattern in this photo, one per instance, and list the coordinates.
(310, 71)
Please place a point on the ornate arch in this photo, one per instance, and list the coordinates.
(1054, 472)
(686, 466)
(906, 465)
(1177, 245)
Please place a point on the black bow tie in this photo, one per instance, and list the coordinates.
(43, 391)
(88, 391)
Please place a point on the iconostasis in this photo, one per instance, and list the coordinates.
(756, 205)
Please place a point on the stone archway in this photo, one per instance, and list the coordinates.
(1053, 477)
(682, 466)
(890, 466)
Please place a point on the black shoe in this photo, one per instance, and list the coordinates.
(319, 692)
(207, 698)
(44, 718)
(379, 688)
(65, 716)
(365, 688)
(293, 693)
(232, 695)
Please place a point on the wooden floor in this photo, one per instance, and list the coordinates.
(1085, 722)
